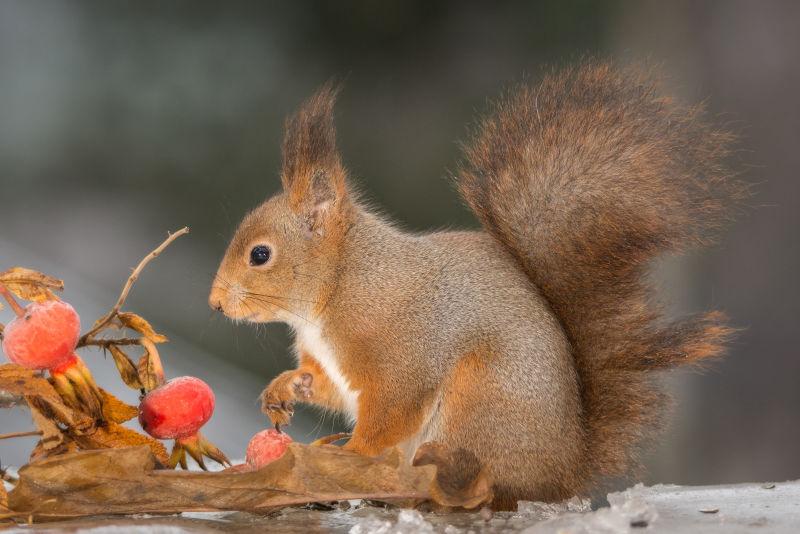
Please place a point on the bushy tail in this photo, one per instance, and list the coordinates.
(586, 178)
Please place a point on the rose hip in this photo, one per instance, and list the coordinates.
(176, 410)
(266, 447)
(44, 336)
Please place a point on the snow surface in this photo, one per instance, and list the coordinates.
(735, 509)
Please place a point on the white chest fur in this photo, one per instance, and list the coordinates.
(311, 340)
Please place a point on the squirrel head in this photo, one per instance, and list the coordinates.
(283, 257)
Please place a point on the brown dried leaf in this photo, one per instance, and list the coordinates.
(100, 321)
(125, 481)
(139, 324)
(151, 372)
(3, 500)
(39, 452)
(75, 420)
(16, 380)
(115, 436)
(52, 436)
(115, 410)
(127, 370)
(28, 284)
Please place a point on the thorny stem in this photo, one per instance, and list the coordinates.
(19, 310)
(107, 318)
(21, 434)
(105, 343)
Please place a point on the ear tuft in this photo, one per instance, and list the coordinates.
(312, 172)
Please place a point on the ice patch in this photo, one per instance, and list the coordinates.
(207, 516)
(134, 529)
(542, 510)
(408, 522)
(620, 518)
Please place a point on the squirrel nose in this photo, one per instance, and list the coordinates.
(215, 301)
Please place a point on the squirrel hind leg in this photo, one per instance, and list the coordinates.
(512, 433)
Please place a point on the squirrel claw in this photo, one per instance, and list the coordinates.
(279, 413)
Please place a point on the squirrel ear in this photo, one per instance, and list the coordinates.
(313, 175)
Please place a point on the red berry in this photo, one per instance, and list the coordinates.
(176, 409)
(266, 446)
(44, 337)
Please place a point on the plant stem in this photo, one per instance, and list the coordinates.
(106, 319)
(21, 434)
(19, 310)
(104, 343)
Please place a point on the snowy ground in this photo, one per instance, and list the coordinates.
(743, 508)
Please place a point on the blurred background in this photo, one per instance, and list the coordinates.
(122, 120)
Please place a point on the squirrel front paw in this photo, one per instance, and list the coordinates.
(277, 400)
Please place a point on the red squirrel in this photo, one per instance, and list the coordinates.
(533, 343)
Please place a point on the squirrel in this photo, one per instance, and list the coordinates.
(532, 344)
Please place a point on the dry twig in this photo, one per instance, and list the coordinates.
(21, 434)
(86, 339)
(105, 343)
(6, 293)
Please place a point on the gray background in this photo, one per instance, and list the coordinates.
(122, 120)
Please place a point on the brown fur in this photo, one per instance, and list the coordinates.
(530, 347)
(586, 178)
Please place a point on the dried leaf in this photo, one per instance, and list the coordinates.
(125, 481)
(21, 275)
(139, 324)
(16, 380)
(151, 372)
(3, 497)
(115, 436)
(48, 409)
(127, 370)
(99, 321)
(28, 284)
(115, 410)
(39, 452)
(76, 421)
(52, 436)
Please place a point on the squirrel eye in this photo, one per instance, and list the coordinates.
(260, 255)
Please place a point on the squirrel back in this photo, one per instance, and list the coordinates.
(585, 179)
